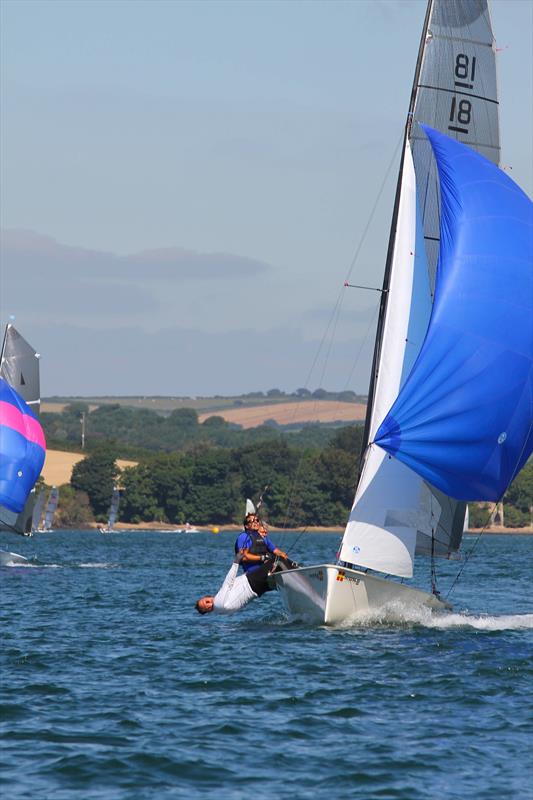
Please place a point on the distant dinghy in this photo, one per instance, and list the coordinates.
(50, 510)
(451, 393)
(112, 513)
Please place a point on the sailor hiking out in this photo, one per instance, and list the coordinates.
(260, 558)
(236, 590)
(257, 547)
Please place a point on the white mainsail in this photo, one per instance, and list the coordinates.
(391, 501)
(250, 508)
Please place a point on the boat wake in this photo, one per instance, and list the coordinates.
(505, 622)
(12, 562)
(399, 615)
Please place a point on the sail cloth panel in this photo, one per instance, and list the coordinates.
(463, 419)
(20, 367)
(392, 504)
(51, 507)
(22, 449)
(38, 510)
(456, 93)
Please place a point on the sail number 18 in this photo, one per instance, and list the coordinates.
(461, 110)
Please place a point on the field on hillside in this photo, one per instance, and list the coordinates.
(248, 412)
(58, 466)
(202, 405)
(293, 413)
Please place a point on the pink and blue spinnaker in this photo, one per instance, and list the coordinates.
(22, 449)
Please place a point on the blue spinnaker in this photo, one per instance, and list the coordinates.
(22, 449)
(464, 418)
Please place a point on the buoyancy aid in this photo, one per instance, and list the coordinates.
(258, 546)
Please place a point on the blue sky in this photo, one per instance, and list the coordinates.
(184, 184)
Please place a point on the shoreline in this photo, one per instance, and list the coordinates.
(157, 527)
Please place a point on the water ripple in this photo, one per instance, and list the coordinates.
(115, 689)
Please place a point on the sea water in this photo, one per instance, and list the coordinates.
(114, 687)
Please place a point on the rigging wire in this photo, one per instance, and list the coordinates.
(334, 318)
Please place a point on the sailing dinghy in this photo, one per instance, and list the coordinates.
(112, 513)
(37, 512)
(50, 510)
(450, 409)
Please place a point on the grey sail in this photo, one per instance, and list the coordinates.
(19, 366)
(38, 511)
(113, 508)
(455, 91)
(50, 510)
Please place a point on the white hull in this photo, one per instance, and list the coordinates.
(179, 530)
(328, 594)
(190, 529)
(8, 559)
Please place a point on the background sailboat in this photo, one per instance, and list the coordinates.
(22, 443)
(113, 512)
(249, 507)
(19, 367)
(38, 511)
(50, 510)
(400, 507)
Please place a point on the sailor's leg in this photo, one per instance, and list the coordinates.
(258, 579)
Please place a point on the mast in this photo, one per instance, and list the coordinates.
(392, 238)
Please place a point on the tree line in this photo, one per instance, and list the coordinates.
(208, 485)
(137, 430)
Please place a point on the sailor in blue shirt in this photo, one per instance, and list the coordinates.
(256, 546)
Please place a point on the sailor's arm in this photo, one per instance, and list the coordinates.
(251, 557)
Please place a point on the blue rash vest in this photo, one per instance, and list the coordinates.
(245, 541)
